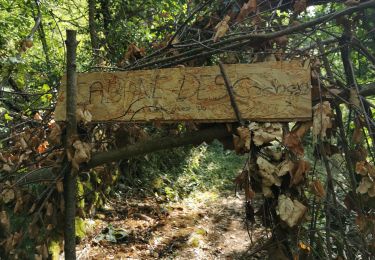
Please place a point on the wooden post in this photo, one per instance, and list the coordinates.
(70, 176)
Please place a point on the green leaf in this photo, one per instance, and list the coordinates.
(7, 117)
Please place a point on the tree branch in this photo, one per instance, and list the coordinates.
(158, 144)
(250, 38)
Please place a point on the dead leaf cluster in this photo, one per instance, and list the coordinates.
(265, 132)
(367, 183)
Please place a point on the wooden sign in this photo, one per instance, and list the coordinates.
(269, 91)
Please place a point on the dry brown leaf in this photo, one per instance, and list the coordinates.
(293, 143)
(237, 144)
(2, 158)
(249, 193)
(352, 2)
(366, 186)
(282, 41)
(365, 168)
(84, 115)
(55, 135)
(284, 167)
(4, 221)
(221, 28)
(37, 117)
(266, 132)
(299, 6)
(301, 128)
(49, 209)
(274, 152)
(357, 136)
(19, 204)
(247, 8)
(290, 211)
(17, 236)
(267, 192)
(33, 207)
(133, 53)
(257, 20)
(59, 186)
(354, 98)
(33, 230)
(299, 171)
(23, 143)
(82, 153)
(321, 120)
(7, 195)
(318, 189)
(268, 172)
(42, 147)
(242, 140)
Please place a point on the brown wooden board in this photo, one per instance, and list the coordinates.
(268, 91)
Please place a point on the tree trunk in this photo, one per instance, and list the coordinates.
(70, 177)
(93, 33)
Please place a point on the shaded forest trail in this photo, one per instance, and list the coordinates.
(203, 226)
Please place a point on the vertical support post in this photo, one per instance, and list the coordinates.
(70, 176)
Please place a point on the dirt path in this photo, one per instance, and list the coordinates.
(204, 226)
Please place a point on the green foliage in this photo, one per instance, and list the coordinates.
(206, 167)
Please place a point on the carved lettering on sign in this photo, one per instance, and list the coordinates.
(278, 91)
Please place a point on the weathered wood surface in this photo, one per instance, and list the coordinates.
(269, 91)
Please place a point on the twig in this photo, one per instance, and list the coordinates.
(231, 94)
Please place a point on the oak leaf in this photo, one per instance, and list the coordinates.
(7, 168)
(364, 168)
(366, 186)
(84, 115)
(49, 209)
(82, 153)
(42, 147)
(299, 6)
(293, 142)
(221, 28)
(268, 171)
(357, 136)
(352, 2)
(38, 117)
(266, 132)
(4, 221)
(318, 189)
(55, 135)
(267, 192)
(281, 41)
(247, 8)
(321, 120)
(59, 186)
(290, 211)
(242, 140)
(299, 171)
(7, 195)
(284, 167)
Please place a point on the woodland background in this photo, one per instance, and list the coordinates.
(325, 176)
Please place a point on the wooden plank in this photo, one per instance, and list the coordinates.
(268, 91)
